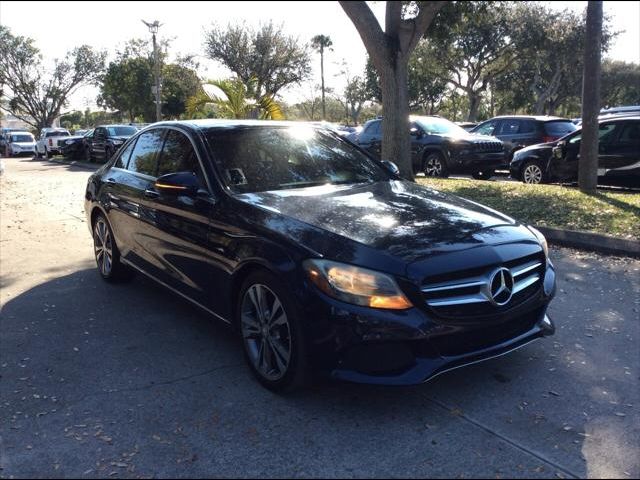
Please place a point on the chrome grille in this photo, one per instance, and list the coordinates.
(472, 295)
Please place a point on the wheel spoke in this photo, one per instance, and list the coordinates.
(281, 353)
(276, 308)
(280, 363)
(254, 300)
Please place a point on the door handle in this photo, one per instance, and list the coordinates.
(150, 193)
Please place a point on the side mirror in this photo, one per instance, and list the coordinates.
(391, 167)
(415, 132)
(180, 183)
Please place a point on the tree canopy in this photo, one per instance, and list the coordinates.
(267, 54)
(35, 94)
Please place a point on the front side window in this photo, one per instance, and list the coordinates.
(143, 157)
(257, 159)
(605, 134)
(178, 155)
(486, 128)
(123, 158)
(630, 133)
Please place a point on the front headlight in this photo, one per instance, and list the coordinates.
(356, 285)
(541, 239)
(118, 142)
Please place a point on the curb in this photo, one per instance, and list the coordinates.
(596, 242)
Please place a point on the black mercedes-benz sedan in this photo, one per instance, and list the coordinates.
(321, 257)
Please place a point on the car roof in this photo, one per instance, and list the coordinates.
(541, 118)
(115, 125)
(619, 119)
(207, 123)
(20, 131)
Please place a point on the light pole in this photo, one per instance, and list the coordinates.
(153, 28)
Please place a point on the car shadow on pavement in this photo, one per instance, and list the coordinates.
(144, 370)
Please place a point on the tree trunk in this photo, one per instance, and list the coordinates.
(474, 106)
(588, 166)
(396, 145)
(324, 112)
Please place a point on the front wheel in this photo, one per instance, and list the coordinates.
(271, 333)
(532, 173)
(483, 174)
(434, 165)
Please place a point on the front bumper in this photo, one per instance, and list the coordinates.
(409, 347)
(481, 161)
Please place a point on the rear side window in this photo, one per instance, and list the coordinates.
(559, 129)
(510, 127)
(143, 157)
(527, 126)
(178, 155)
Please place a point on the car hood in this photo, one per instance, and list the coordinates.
(399, 219)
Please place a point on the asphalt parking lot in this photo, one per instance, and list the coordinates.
(130, 381)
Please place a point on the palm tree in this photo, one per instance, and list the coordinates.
(234, 99)
(320, 42)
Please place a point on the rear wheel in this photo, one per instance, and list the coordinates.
(532, 173)
(271, 334)
(434, 165)
(107, 253)
(483, 174)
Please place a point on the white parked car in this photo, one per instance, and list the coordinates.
(20, 143)
(47, 144)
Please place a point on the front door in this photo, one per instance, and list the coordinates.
(177, 232)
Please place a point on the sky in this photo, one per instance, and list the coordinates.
(59, 26)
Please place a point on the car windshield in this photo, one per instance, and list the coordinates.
(258, 159)
(21, 138)
(121, 131)
(89, 133)
(438, 126)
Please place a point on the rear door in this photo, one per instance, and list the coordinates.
(177, 226)
(516, 133)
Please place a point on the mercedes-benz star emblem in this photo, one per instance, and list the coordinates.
(501, 287)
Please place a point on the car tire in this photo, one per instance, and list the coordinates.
(271, 334)
(47, 153)
(107, 155)
(483, 174)
(87, 155)
(106, 253)
(532, 173)
(434, 165)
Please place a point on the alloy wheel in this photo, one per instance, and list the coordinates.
(433, 167)
(266, 332)
(532, 173)
(103, 247)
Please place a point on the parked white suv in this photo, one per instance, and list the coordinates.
(48, 142)
(19, 143)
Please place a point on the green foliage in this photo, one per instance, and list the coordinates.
(36, 96)
(127, 84)
(274, 59)
(234, 99)
(471, 42)
(620, 83)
